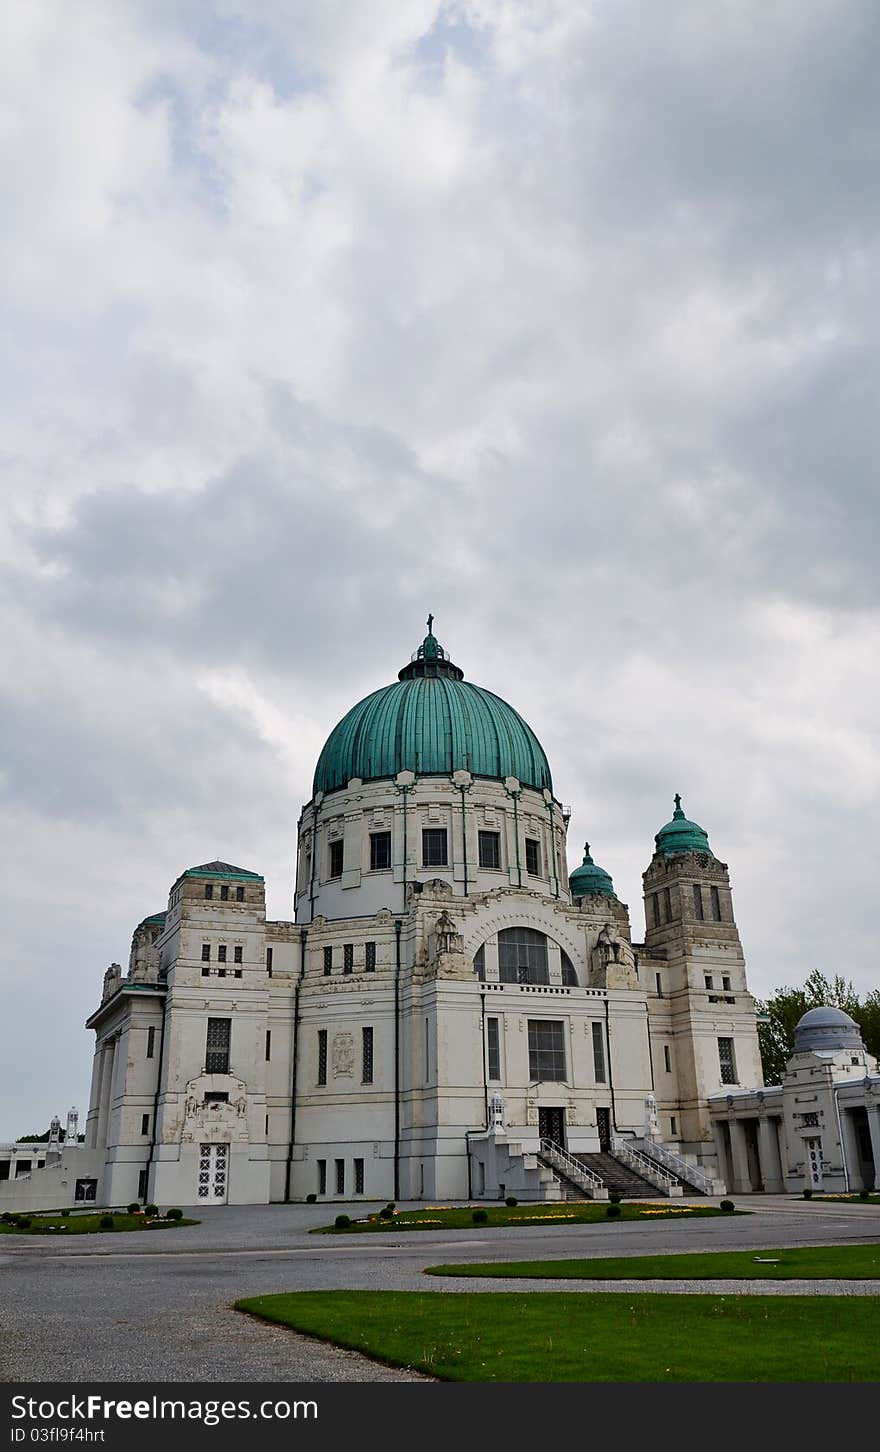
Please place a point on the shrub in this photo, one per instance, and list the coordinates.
(387, 1213)
(342, 1222)
(134, 1207)
(105, 1222)
(63, 1212)
(151, 1209)
(9, 1217)
(614, 1197)
(511, 1201)
(727, 1206)
(174, 1214)
(864, 1194)
(310, 1199)
(480, 1217)
(391, 1206)
(612, 1211)
(808, 1194)
(22, 1222)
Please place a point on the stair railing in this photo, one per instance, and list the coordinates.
(680, 1167)
(572, 1169)
(643, 1166)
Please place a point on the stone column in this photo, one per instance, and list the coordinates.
(94, 1109)
(742, 1182)
(874, 1131)
(109, 1057)
(768, 1156)
(725, 1172)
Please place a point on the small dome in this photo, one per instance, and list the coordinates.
(826, 1029)
(433, 722)
(588, 880)
(681, 835)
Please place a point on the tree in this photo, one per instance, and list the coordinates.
(786, 1006)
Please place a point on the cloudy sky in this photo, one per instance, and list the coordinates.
(558, 319)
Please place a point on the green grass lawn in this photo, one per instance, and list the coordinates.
(814, 1262)
(847, 1199)
(462, 1217)
(557, 1336)
(63, 1225)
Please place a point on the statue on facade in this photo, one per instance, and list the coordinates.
(342, 1055)
(112, 980)
(447, 934)
(72, 1135)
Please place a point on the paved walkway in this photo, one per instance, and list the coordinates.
(158, 1305)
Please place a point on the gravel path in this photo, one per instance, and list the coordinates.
(154, 1306)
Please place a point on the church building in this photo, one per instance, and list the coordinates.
(447, 1013)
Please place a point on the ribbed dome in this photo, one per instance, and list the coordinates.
(588, 880)
(433, 722)
(681, 835)
(826, 1029)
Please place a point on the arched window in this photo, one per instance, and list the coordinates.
(522, 956)
(480, 963)
(569, 977)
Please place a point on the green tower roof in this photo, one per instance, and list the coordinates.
(433, 722)
(681, 835)
(588, 880)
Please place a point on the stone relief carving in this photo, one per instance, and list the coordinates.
(342, 1055)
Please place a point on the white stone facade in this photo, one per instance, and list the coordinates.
(355, 1051)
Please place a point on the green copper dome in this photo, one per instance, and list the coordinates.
(433, 722)
(680, 835)
(588, 880)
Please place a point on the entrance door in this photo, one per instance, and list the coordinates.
(551, 1125)
(213, 1167)
(603, 1124)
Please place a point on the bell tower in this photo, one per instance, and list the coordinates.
(702, 1016)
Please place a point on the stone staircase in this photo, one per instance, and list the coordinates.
(618, 1177)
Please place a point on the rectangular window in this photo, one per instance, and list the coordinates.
(340, 1177)
(673, 1125)
(493, 1048)
(221, 953)
(328, 962)
(224, 893)
(725, 984)
(667, 1059)
(659, 984)
(367, 1055)
(268, 1043)
(727, 1061)
(546, 1050)
(216, 1096)
(533, 857)
(221, 972)
(142, 1185)
(269, 961)
(336, 852)
(716, 904)
(599, 1053)
(380, 851)
(667, 895)
(237, 973)
(434, 850)
(145, 1124)
(236, 954)
(239, 894)
(322, 1056)
(151, 1041)
(206, 952)
(209, 889)
(709, 982)
(358, 1177)
(655, 899)
(427, 1053)
(322, 1176)
(217, 1045)
(490, 849)
(348, 957)
(698, 902)
(370, 958)
(206, 972)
